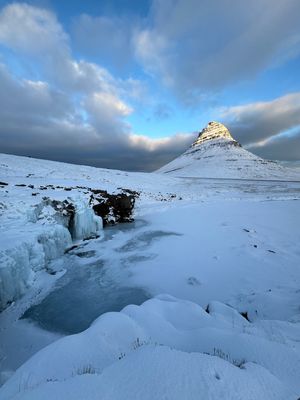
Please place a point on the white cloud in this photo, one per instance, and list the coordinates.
(151, 50)
(206, 45)
(37, 33)
(31, 29)
(42, 122)
(76, 111)
(111, 104)
(181, 140)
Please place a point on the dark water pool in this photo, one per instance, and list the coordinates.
(79, 298)
(85, 292)
(88, 288)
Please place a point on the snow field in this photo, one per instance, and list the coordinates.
(218, 248)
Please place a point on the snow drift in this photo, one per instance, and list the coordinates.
(164, 348)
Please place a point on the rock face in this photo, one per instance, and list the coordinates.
(216, 154)
(62, 212)
(214, 130)
(113, 208)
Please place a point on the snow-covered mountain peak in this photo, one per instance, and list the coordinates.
(213, 131)
(216, 154)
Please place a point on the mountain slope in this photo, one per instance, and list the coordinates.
(216, 154)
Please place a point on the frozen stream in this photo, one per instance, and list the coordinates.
(91, 285)
(96, 280)
(79, 298)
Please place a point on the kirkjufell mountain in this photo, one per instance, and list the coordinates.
(216, 154)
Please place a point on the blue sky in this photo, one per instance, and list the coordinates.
(128, 84)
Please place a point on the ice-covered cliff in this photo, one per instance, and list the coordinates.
(35, 234)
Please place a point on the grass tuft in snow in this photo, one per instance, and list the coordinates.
(225, 356)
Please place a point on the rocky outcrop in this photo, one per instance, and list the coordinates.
(113, 208)
(214, 130)
(77, 216)
(54, 211)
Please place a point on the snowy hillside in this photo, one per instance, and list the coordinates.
(197, 298)
(215, 154)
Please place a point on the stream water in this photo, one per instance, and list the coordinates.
(89, 288)
(85, 291)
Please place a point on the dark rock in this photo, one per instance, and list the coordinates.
(92, 237)
(129, 191)
(20, 184)
(100, 191)
(245, 315)
(70, 211)
(71, 248)
(83, 187)
(31, 186)
(3, 184)
(52, 272)
(113, 208)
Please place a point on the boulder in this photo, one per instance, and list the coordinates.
(113, 208)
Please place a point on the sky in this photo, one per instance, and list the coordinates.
(128, 84)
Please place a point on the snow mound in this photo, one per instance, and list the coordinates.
(153, 373)
(165, 348)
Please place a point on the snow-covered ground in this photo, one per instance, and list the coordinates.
(212, 266)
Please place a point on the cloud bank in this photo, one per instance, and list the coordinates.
(270, 129)
(67, 108)
(78, 114)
